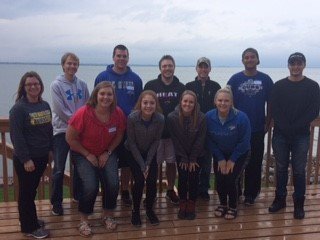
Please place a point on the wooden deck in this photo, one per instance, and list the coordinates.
(252, 222)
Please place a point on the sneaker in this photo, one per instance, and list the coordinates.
(57, 210)
(248, 201)
(172, 196)
(39, 233)
(136, 219)
(154, 220)
(125, 198)
(204, 196)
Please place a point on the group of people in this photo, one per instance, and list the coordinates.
(121, 124)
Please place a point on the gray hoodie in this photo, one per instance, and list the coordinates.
(67, 98)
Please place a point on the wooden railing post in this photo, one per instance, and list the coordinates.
(5, 168)
(160, 178)
(316, 167)
(309, 161)
(267, 173)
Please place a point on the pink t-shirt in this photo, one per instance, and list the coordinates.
(94, 135)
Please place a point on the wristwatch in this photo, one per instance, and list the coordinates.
(109, 152)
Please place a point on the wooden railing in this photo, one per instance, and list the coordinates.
(9, 185)
(313, 157)
(6, 151)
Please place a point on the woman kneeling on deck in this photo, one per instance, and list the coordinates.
(93, 133)
(31, 135)
(228, 139)
(187, 126)
(144, 130)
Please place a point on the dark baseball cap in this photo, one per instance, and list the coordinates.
(204, 60)
(296, 57)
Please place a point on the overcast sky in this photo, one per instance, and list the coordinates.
(41, 31)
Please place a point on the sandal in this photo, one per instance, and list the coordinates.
(85, 229)
(110, 223)
(231, 214)
(220, 211)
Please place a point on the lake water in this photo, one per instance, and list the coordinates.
(11, 74)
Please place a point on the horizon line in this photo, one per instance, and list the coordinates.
(137, 65)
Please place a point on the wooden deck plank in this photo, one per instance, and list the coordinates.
(252, 222)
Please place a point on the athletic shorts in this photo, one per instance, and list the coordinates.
(165, 151)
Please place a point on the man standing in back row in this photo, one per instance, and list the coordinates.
(251, 93)
(68, 93)
(205, 89)
(168, 90)
(128, 86)
(295, 104)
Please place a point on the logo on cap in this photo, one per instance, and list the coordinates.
(296, 57)
(204, 60)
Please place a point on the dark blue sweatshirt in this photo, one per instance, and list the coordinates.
(31, 129)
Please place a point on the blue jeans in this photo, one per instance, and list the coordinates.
(298, 147)
(89, 177)
(60, 154)
(205, 171)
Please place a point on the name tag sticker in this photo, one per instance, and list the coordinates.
(257, 82)
(112, 130)
(131, 88)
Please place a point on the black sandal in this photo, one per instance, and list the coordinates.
(231, 214)
(220, 211)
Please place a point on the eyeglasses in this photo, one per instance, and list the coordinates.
(29, 85)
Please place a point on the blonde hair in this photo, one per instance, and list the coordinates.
(226, 90)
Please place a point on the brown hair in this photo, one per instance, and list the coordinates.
(93, 100)
(119, 47)
(71, 55)
(166, 57)
(195, 112)
(137, 107)
(21, 89)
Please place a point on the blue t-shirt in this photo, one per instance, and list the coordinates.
(128, 87)
(250, 94)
